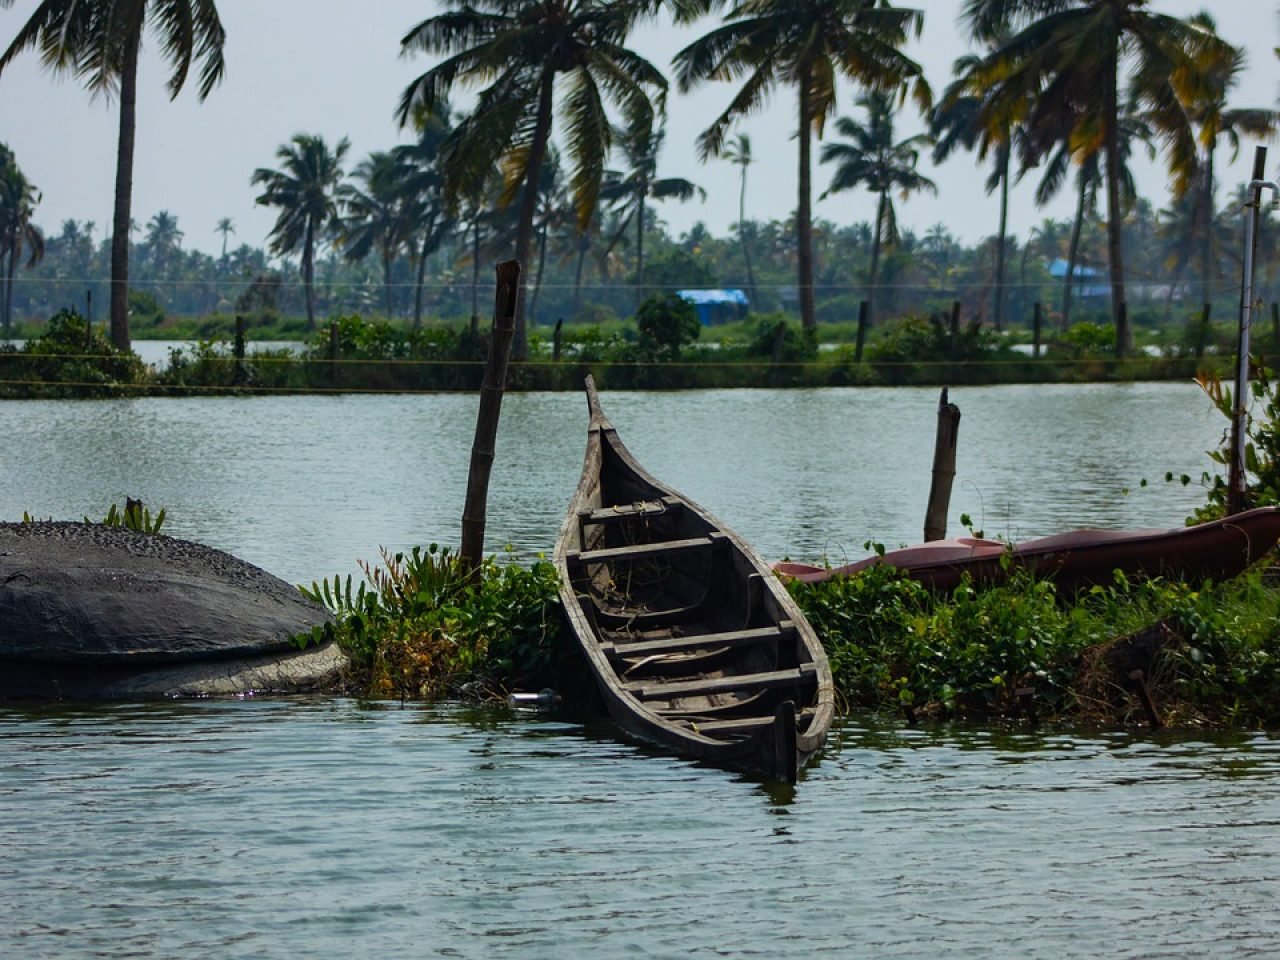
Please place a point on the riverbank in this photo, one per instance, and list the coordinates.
(71, 359)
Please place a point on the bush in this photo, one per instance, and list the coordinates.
(665, 323)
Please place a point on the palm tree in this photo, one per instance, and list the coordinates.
(1066, 58)
(738, 152)
(1215, 119)
(521, 50)
(226, 226)
(18, 200)
(627, 193)
(421, 186)
(806, 44)
(378, 214)
(305, 190)
(99, 41)
(872, 159)
(1134, 130)
(163, 239)
(958, 121)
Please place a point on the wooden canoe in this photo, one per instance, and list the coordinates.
(1217, 550)
(694, 642)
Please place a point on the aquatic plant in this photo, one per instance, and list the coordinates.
(420, 626)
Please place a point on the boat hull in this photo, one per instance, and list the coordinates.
(1217, 550)
(694, 643)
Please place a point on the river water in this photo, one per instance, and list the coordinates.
(330, 828)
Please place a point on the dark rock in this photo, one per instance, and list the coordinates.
(82, 600)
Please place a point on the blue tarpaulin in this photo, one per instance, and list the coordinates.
(716, 306)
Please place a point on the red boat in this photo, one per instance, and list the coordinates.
(1217, 550)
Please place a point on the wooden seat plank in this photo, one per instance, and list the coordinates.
(641, 551)
(730, 638)
(657, 690)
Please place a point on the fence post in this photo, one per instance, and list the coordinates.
(239, 376)
(555, 341)
(863, 308)
(1035, 331)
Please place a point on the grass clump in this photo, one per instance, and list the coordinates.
(423, 626)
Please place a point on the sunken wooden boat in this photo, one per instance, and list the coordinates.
(1217, 550)
(694, 642)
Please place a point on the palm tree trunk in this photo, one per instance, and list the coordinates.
(309, 272)
(640, 291)
(537, 282)
(804, 211)
(528, 207)
(386, 281)
(1115, 255)
(1073, 251)
(475, 267)
(584, 244)
(121, 215)
(998, 310)
(873, 275)
(420, 281)
(742, 236)
(1206, 263)
(8, 257)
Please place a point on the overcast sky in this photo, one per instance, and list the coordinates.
(332, 67)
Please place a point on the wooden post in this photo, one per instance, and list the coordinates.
(1237, 494)
(495, 378)
(1202, 332)
(239, 375)
(1036, 320)
(333, 353)
(555, 341)
(944, 469)
(863, 308)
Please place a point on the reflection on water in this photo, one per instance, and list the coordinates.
(323, 828)
(306, 486)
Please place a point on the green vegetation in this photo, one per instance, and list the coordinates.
(423, 626)
(666, 349)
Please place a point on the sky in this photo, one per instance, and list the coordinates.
(333, 67)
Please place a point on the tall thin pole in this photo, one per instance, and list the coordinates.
(1236, 501)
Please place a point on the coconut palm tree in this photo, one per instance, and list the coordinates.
(1216, 120)
(871, 158)
(164, 240)
(805, 44)
(738, 152)
(627, 193)
(377, 213)
(226, 226)
(18, 200)
(1069, 59)
(305, 189)
(1086, 158)
(99, 42)
(520, 51)
(958, 122)
(421, 185)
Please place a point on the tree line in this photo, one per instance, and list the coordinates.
(1070, 88)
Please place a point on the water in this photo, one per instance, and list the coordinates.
(329, 828)
(306, 486)
(322, 828)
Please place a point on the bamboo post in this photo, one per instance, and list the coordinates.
(239, 375)
(863, 309)
(555, 341)
(944, 469)
(1036, 320)
(495, 378)
(1236, 494)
